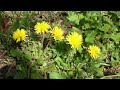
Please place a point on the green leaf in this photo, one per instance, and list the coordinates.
(33, 36)
(14, 26)
(114, 28)
(113, 62)
(57, 61)
(25, 22)
(25, 13)
(97, 65)
(73, 17)
(86, 25)
(19, 75)
(117, 13)
(28, 55)
(100, 72)
(81, 16)
(40, 61)
(60, 63)
(15, 53)
(44, 64)
(55, 75)
(71, 73)
(108, 20)
(80, 49)
(116, 37)
(35, 75)
(91, 37)
(106, 35)
(76, 30)
(105, 28)
(18, 67)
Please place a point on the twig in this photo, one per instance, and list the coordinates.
(48, 43)
(2, 54)
(111, 76)
(45, 75)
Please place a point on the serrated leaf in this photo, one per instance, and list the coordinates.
(60, 63)
(91, 37)
(55, 75)
(108, 20)
(87, 25)
(73, 17)
(116, 37)
(105, 28)
(81, 16)
(114, 28)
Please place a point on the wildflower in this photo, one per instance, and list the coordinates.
(57, 33)
(41, 27)
(94, 51)
(75, 40)
(19, 35)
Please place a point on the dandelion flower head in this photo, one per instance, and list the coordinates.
(94, 51)
(57, 33)
(42, 27)
(75, 40)
(19, 35)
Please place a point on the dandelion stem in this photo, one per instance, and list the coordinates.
(43, 40)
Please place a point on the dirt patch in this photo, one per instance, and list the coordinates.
(7, 65)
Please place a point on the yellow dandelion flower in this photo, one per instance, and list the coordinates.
(94, 51)
(41, 27)
(19, 35)
(57, 33)
(75, 40)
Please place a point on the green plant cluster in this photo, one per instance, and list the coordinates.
(56, 60)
